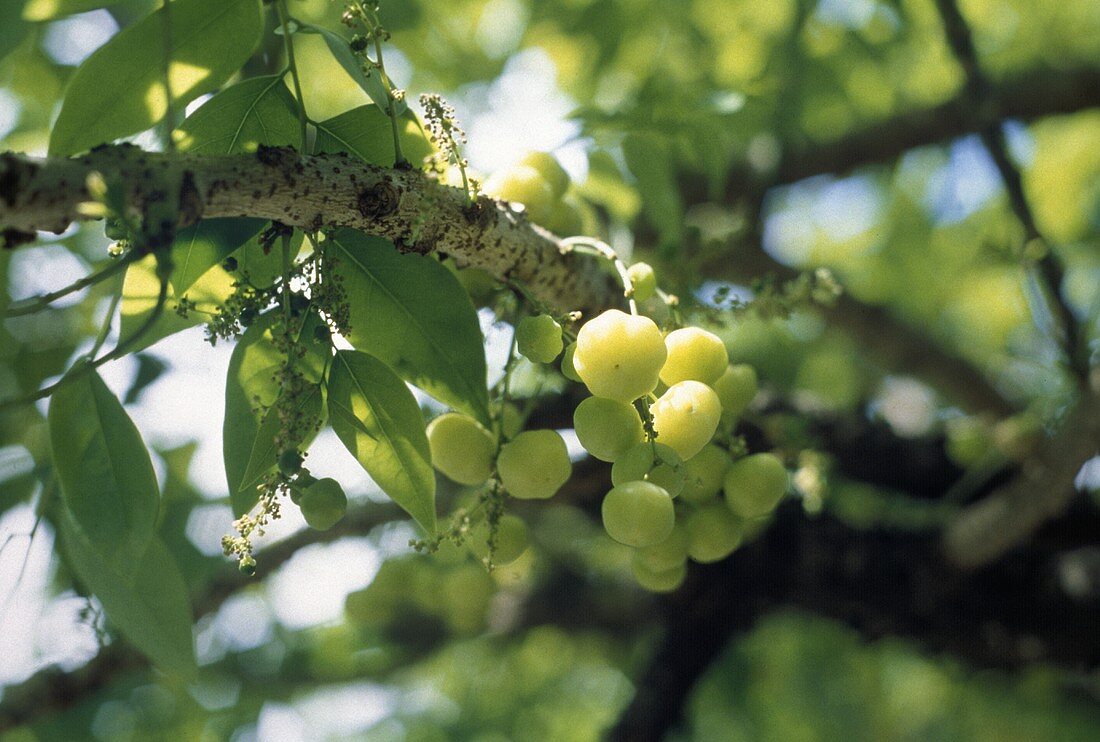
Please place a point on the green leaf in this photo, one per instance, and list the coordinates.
(264, 455)
(208, 292)
(106, 476)
(119, 90)
(150, 607)
(263, 266)
(199, 248)
(649, 158)
(250, 426)
(257, 111)
(46, 10)
(413, 314)
(365, 132)
(139, 297)
(18, 478)
(376, 416)
(238, 119)
(12, 30)
(370, 82)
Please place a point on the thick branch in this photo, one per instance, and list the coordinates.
(328, 190)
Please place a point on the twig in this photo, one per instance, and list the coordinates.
(38, 303)
(79, 370)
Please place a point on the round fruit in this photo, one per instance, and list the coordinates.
(323, 503)
(638, 514)
(511, 540)
(1017, 437)
(686, 416)
(735, 388)
(644, 280)
(247, 566)
(290, 462)
(659, 582)
(538, 339)
(568, 370)
(525, 185)
(650, 462)
(713, 533)
(619, 356)
(534, 465)
(754, 485)
(669, 554)
(550, 169)
(463, 598)
(705, 472)
(694, 353)
(461, 449)
(606, 428)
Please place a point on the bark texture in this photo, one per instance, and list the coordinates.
(312, 192)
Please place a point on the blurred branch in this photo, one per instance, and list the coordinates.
(1025, 96)
(52, 690)
(881, 583)
(981, 95)
(1043, 489)
(1045, 486)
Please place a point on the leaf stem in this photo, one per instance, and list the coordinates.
(169, 116)
(288, 45)
(38, 303)
(106, 328)
(600, 249)
(90, 365)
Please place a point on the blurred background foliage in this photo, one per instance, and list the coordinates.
(674, 118)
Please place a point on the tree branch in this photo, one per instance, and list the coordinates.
(312, 192)
(1043, 489)
(880, 582)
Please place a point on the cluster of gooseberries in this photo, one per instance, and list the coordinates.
(659, 401)
(662, 410)
(532, 465)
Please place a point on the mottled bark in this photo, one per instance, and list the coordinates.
(312, 192)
